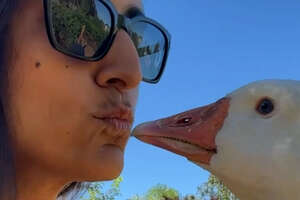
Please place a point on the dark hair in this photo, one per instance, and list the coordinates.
(7, 165)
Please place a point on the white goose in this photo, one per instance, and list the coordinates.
(249, 139)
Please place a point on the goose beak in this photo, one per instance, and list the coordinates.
(190, 134)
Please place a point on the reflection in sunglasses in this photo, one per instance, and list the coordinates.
(144, 51)
(78, 27)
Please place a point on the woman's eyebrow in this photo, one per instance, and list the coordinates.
(133, 12)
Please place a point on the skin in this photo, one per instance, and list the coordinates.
(50, 102)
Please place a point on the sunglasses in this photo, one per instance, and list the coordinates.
(86, 30)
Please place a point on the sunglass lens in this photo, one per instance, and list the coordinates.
(80, 27)
(151, 46)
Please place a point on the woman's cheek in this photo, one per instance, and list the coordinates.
(133, 97)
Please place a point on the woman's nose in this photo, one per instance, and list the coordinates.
(120, 68)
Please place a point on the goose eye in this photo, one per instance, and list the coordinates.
(265, 106)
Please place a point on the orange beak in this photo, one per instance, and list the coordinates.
(191, 134)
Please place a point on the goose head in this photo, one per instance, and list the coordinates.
(250, 139)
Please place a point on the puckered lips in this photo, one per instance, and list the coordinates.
(191, 133)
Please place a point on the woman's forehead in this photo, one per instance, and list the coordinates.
(123, 5)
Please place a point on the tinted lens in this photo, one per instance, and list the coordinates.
(80, 27)
(151, 46)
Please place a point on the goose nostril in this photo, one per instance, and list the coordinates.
(184, 120)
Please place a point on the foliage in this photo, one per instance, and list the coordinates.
(161, 192)
(214, 189)
(158, 192)
(95, 191)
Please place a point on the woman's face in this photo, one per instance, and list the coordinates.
(54, 100)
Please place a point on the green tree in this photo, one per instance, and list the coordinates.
(162, 192)
(214, 189)
(158, 192)
(95, 191)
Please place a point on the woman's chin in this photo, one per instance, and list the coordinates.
(111, 161)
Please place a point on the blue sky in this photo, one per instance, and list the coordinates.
(217, 46)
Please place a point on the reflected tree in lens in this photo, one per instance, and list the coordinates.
(78, 27)
(151, 59)
(156, 48)
(149, 43)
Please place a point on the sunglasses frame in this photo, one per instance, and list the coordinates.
(118, 22)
